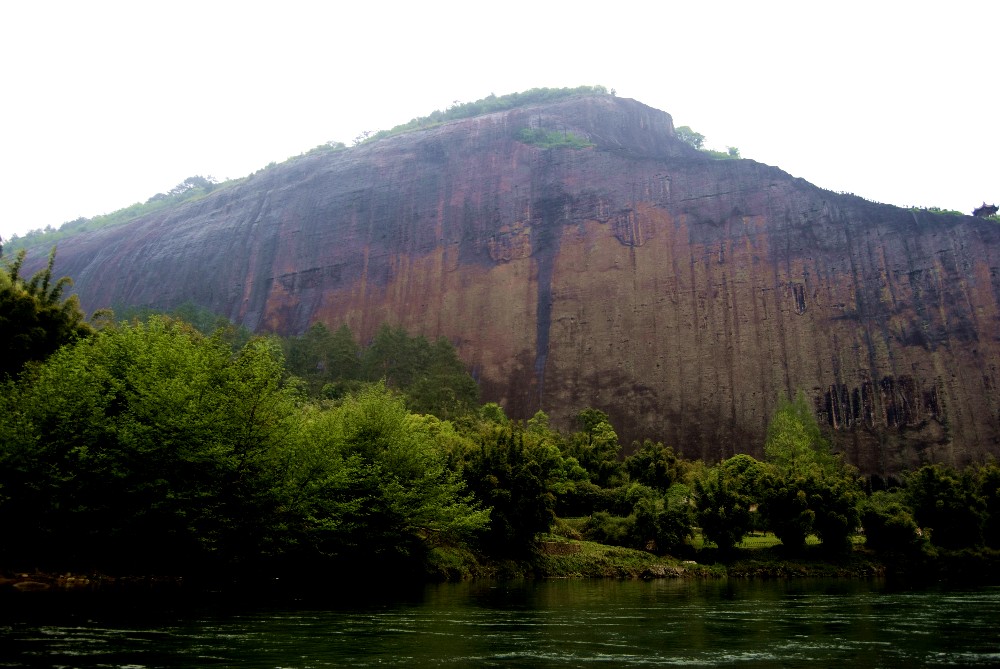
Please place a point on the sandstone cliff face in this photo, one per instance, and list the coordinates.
(681, 295)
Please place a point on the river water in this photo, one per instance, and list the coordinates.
(571, 623)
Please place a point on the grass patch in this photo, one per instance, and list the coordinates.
(758, 540)
(567, 558)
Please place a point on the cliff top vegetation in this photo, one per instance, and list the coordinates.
(487, 105)
(198, 186)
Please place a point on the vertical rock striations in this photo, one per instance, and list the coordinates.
(681, 295)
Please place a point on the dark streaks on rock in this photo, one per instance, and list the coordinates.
(681, 295)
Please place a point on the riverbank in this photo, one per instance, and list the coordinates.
(560, 558)
(584, 559)
(38, 581)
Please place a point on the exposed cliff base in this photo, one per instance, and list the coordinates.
(680, 294)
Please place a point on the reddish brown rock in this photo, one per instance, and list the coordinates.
(680, 294)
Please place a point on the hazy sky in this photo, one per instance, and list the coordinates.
(107, 103)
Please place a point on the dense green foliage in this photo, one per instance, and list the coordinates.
(145, 446)
(595, 448)
(889, 525)
(201, 319)
(512, 471)
(35, 319)
(376, 485)
(430, 375)
(155, 446)
(656, 466)
(948, 504)
(151, 446)
(727, 496)
(808, 490)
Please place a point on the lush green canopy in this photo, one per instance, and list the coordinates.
(35, 318)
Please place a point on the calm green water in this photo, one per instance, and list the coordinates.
(804, 623)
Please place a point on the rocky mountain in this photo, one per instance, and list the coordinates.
(680, 294)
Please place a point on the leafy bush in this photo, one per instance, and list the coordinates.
(889, 525)
(656, 465)
(147, 446)
(35, 319)
(612, 530)
(511, 473)
(946, 502)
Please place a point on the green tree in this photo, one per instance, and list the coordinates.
(794, 441)
(343, 356)
(797, 504)
(203, 320)
(511, 472)
(329, 362)
(656, 465)
(35, 319)
(663, 522)
(377, 486)
(443, 387)
(690, 137)
(889, 525)
(307, 356)
(595, 447)
(809, 489)
(147, 447)
(675, 521)
(726, 498)
(947, 504)
(430, 375)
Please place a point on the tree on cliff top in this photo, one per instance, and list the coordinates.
(689, 136)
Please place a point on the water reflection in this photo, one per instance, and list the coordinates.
(523, 624)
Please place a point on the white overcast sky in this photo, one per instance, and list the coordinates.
(105, 104)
